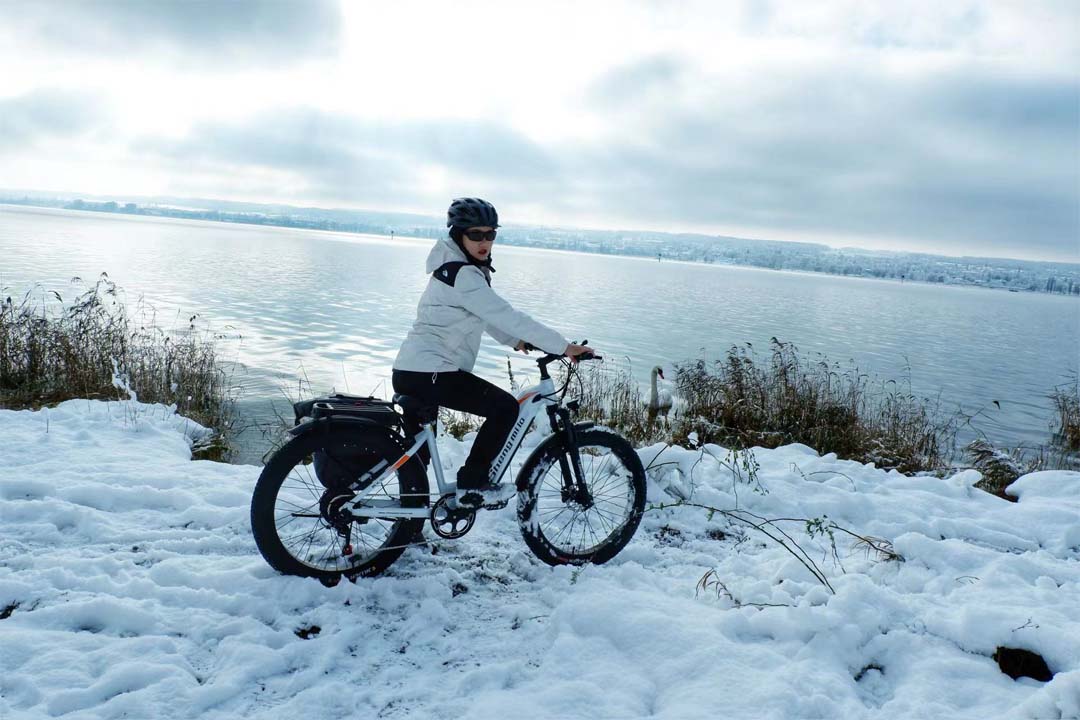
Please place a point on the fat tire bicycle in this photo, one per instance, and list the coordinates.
(349, 492)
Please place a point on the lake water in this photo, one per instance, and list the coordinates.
(333, 308)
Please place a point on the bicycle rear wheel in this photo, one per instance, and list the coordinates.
(561, 530)
(300, 525)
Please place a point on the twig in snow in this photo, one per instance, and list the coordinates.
(766, 527)
(711, 581)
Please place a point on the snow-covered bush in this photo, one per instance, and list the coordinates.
(999, 468)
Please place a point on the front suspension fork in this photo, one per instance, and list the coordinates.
(574, 486)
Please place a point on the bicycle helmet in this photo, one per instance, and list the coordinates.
(465, 213)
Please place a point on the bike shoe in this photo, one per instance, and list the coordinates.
(489, 497)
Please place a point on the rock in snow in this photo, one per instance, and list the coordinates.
(130, 587)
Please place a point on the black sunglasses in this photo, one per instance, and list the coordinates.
(481, 235)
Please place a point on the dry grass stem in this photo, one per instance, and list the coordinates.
(91, 347)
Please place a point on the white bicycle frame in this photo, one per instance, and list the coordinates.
(530, 402)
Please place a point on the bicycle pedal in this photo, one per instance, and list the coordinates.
(488, 498)
(498, 505)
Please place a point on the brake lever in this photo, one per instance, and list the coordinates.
(589, 355)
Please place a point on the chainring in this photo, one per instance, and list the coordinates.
(451, 523)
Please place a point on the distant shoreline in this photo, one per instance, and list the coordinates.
(997, 274)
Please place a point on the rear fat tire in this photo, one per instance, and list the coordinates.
(542, 469)
(412, 482)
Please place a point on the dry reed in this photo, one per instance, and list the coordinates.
(743, 401)
(1066, 399)
(52, 350)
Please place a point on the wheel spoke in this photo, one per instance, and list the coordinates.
(592, 533)
(301, 508)
(605, 521)
(312, 485)
(612, 518)
(327, 547)
(567, 525)
(288, 540)
(302, 550)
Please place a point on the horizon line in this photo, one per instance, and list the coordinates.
(60, 194)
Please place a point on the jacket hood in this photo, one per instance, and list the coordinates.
(446, 250)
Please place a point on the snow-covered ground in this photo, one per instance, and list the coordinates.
(130, 587)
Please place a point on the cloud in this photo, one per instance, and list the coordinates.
(977, 155)
(626, 84)
(973, 157)
(945, 125)
(203, 31)
(343, 158)
(1031, 32)
(47, 114)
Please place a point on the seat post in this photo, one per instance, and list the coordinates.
(432, 429)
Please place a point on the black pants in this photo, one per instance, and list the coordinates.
(463, 391)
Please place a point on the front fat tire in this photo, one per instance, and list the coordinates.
(545, 464)
(412, 480)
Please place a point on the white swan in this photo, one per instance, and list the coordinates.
(660, 401)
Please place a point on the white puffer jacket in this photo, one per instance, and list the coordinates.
(455, 311)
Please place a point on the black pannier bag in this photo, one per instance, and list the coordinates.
(371, 408)
(347, 464)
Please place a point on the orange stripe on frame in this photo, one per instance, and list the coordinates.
(523, 398)
(404, 459)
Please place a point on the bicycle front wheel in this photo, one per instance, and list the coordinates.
(299, 510)
(561, 528)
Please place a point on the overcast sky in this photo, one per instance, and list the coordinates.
(945, 126)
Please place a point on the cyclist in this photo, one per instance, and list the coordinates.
(436, 360)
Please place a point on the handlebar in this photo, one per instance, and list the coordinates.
(552, 357)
